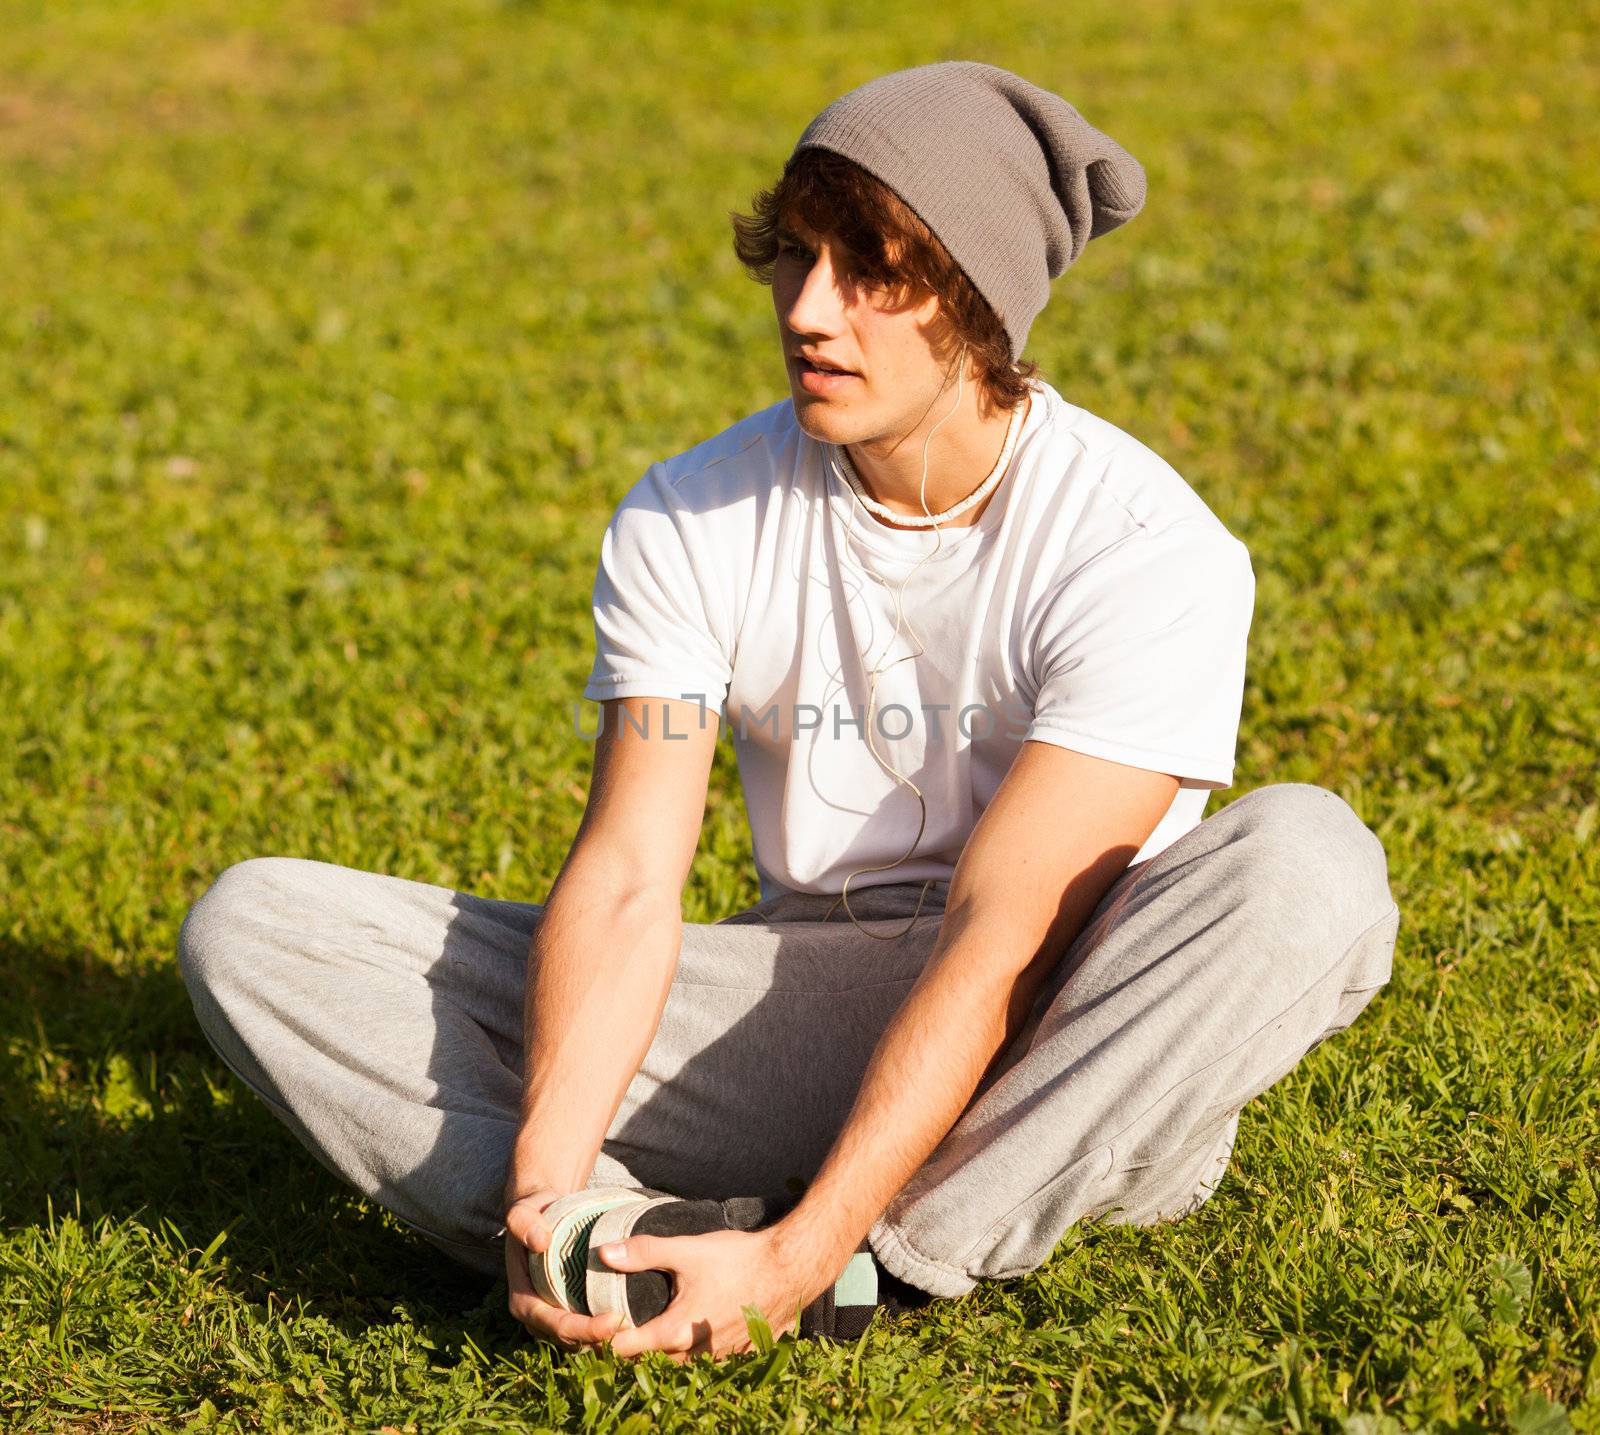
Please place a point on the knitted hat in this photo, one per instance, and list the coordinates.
(1011, 178)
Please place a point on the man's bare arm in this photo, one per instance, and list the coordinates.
(601, 962)
(1058, 832)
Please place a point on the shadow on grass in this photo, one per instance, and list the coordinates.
(114, 1105)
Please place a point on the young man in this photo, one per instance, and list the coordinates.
(1002, 977)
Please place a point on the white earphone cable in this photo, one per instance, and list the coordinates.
(932, 520)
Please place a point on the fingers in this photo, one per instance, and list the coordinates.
(538, 1317)
(518, 1278)
(565, 1328)
(525, 1220)
(589, 1329)
(673, 1333)
(641, 1253)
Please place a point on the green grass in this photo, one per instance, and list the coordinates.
(331, 332)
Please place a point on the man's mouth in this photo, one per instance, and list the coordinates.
(819, 377)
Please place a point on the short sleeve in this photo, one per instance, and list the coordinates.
(1140, 655)
(656, 618)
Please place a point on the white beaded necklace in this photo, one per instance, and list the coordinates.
(927, 520)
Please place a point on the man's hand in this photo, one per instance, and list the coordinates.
(714, 1277)
(526, 1231)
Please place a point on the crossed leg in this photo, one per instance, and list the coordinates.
(1202, 977)
(380, 1018)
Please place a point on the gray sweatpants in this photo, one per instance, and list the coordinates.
(381, 1019)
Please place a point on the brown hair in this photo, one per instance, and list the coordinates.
(889, 246)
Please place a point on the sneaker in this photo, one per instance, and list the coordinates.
(842, 1312)
(558, 1275)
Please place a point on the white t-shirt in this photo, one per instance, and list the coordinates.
(1097, 604)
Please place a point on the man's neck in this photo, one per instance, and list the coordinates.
(963, 453)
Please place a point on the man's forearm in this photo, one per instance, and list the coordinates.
(957, 1018)
(599, 969)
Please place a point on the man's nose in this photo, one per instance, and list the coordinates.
(816, 306)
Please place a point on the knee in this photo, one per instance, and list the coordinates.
(1306, 845)
(214, 939)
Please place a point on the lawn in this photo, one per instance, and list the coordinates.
(331, 332)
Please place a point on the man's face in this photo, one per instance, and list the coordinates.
(889, 374)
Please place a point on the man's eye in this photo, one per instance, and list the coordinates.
(794, 247)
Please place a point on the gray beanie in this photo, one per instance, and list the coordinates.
(1011, 178)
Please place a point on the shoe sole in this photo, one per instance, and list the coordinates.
(607, 1289)
(558, 1275)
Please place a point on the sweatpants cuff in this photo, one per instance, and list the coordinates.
(900, 1260)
